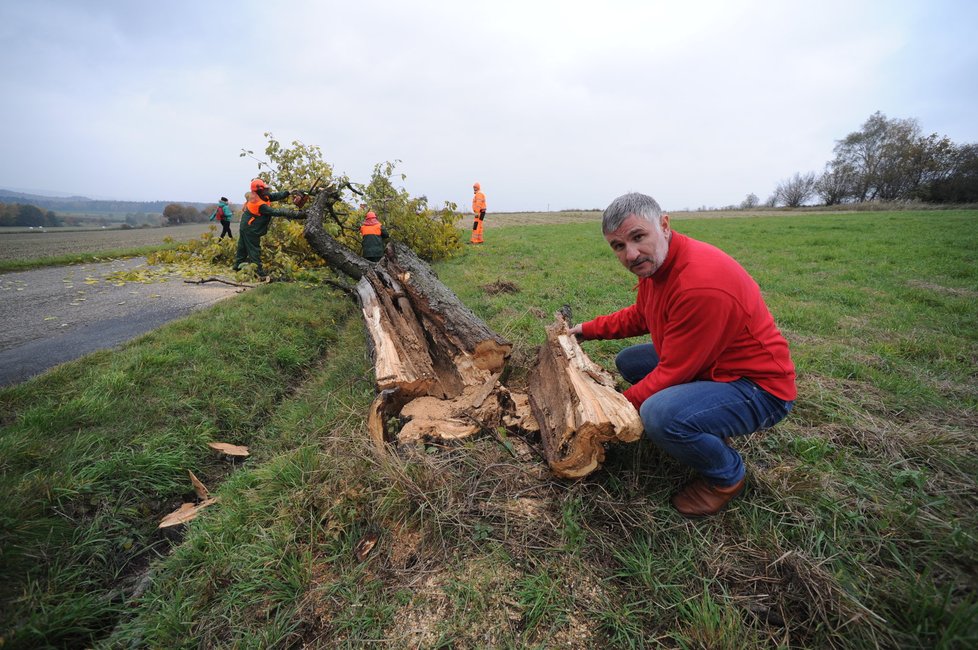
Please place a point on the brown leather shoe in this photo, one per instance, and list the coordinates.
(700, 499)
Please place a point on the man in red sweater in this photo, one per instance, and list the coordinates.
(717, 366)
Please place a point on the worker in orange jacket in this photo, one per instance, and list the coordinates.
(479, 209)
(255, 219)
(374, 238)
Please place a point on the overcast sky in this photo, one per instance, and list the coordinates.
(553, 105)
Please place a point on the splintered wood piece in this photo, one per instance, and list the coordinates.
(485, 391)
(401, 358)
(229, 449)
(430, 419)
(186, 512)
(375, 423)
(387, 404)
(199, 487)
(365, 545)
(576, 405)
(521, 415)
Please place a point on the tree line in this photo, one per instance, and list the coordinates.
(83, 205)
(886, 160)
(26, 216)
(175, 214)
(19, 214)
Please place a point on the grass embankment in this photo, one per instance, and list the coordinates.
(859, 527)
(93, 453)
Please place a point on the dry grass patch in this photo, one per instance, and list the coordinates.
(940, 288)
(790, 595)
(500, 286)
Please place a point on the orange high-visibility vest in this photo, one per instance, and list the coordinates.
(373, 229)
(478, 202)
(253, 206)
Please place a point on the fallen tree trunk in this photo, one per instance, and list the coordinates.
(424, 342)
(338, 256)
(576, 405)
(440, 360)
(438, 365)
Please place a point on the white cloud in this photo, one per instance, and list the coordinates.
(563, 104)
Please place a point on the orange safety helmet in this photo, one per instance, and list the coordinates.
(476, 186)
(258, 184)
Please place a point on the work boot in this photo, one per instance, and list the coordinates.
(700, 499)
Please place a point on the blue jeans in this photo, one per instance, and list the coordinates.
(690, 422)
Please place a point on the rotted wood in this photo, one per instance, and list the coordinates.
(576, 405)
(442, 360)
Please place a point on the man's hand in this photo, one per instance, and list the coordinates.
(577, 331)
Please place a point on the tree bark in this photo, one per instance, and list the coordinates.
(336, 254)
(576, 405)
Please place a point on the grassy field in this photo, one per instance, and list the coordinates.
(858, 528)
(20, 249)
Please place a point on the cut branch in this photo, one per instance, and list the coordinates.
(222, 281)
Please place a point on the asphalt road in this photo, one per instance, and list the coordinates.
(57, 314)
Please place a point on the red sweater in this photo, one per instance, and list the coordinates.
(708, 321)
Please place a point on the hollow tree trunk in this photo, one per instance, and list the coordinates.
(576, 405)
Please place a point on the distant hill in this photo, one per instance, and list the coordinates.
(81, 204)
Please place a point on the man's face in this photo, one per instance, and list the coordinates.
(641, 246)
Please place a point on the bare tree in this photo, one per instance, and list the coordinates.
(794, 191)
(835, 185)
(750, 201)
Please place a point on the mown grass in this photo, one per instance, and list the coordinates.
(858, 530)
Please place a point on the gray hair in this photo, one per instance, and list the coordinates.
(641, 205)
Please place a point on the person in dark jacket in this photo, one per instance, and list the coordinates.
(222, 214)
(255, 219)
(374, 238)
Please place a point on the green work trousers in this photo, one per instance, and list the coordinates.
(249, 246)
